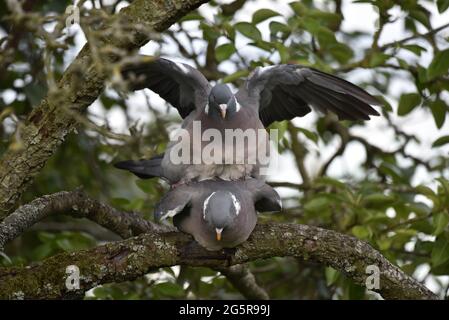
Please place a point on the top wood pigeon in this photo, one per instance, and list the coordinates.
(275, 93)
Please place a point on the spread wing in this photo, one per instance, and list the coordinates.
(266, 199)
(287, 91)
(184, 87)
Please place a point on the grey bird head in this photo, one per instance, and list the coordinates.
(222, 102)
(220, 209)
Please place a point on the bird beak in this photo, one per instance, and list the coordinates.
(223, 108)
(218, 233)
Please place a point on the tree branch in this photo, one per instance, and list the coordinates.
(125, 224)
(129, 259)
(49, 123)
(79, 205)
(244, 281)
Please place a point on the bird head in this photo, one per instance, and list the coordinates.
(220, 209)
(222, 102)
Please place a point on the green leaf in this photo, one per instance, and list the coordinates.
(376, 199)
(309, 134)
(378, 58)
(384, 243)
(421, 15)
(325, 37)
(408, 102)
(440, 221)
(439, 65)
(169, 289)
(235, 76)
(316, 204)
(224, 51)
(278, 27)
(120, 202)
(440, 141)
(283, 52)
(264, 45)
(439, 109)
(331, 275)
(416, 49)
(146, 186)
(248, 30)
(191, 16)
(440, 252)
(263, 14)
(281, 127)
(341, 52)
(299, 8)
(209, 33)
(362, 232)
(43, 251)
(442, 5)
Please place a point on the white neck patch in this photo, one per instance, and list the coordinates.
(206, 202)
(236, 204)
(237, 105)
(206, 110)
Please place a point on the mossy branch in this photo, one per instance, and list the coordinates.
(134, 257)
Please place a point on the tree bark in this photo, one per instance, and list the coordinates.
(49, 123)
(78, 205)
(134, 257)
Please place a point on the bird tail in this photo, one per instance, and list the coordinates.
(145, 168)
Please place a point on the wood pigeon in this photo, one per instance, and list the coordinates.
(269, 94)
(218, 214)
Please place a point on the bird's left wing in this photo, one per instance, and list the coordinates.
(286, 91)
(179, 84)
(266, 199)
(173, 203)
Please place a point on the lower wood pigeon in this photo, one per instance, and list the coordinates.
(218, 214)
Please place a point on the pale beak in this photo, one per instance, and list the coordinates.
(218, 233)
(223, 108)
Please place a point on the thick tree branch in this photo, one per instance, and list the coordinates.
(49, 123)
(124, 224)
(134, 257)
(79, 205)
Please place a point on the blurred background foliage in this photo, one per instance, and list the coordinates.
(406, 220)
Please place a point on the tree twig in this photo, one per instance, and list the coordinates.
(244, 281)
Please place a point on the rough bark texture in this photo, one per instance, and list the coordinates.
(78, 205)
(49, 123)
(134, 257)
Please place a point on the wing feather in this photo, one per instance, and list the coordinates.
(286, 91)
(179, 84)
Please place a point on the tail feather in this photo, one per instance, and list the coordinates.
(144, 169)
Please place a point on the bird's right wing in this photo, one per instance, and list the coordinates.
(179, 84)
(286, 91)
